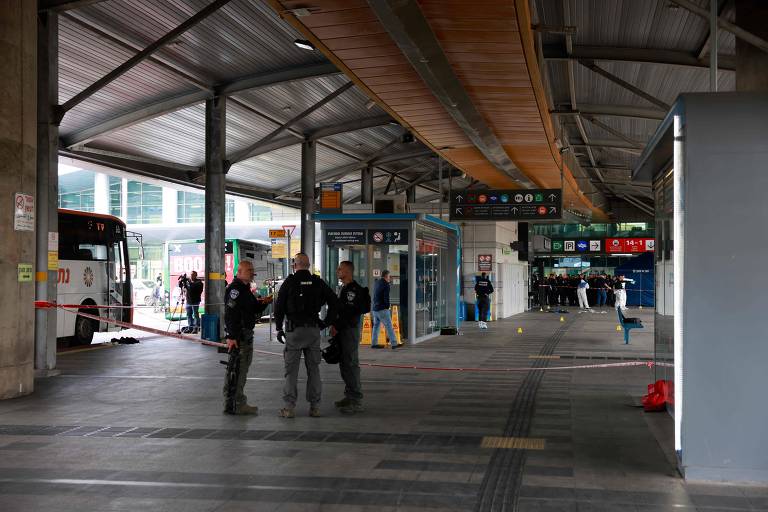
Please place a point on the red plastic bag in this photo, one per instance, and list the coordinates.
(656, 399)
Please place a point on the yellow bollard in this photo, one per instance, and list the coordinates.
(562, 319)
(618, 328)
(519, 330)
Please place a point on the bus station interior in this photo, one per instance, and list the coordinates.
(149, 137)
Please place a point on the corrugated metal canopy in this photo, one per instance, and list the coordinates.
(612, 29)
(155, 112)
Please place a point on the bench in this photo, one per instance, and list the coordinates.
(627, 324)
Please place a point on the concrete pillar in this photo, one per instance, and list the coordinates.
(18, 147)
(170, 205)
(124, 200)
(751, 62)
(101, 193)
(410, 195)
(366, 185)
(308, 176)
(215, 175)
(47, 215)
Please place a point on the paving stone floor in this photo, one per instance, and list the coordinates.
(139, 427)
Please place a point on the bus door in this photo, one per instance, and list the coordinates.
(118, 286)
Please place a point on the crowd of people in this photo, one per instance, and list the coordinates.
(580, 290)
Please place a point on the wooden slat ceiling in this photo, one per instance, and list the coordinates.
(489, 45)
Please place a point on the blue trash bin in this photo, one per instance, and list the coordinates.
(210, 324)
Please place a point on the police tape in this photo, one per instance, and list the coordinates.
(128, 325)
(77, 310)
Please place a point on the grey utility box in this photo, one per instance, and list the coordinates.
(709, 166)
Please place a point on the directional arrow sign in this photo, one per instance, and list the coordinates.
(501, 205)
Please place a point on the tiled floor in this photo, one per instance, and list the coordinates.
(139, 428)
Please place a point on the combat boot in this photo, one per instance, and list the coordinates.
(244, 410)
(344, 402)
(354, 407)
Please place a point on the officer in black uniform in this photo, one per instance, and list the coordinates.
(241, 310)
(354, 301)
(300, 299)
(483, 290)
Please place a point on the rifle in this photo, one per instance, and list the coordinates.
(230, 380)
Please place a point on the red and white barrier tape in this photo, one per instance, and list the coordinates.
(127, 325)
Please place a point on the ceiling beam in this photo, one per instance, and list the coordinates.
(337, 172)
(348, 126)
(744, 35)
(628, 149)
(254, 148)
(639, 204)
(572, 89)
(172, 104)
(704, 48)
(633, 143)
(411, 32)
(126, 66)
(64, 5)
(642, 55)
(612, 111)
(624, 84)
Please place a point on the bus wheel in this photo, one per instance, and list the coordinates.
(84, 329)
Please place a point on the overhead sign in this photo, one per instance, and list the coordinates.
(331, 197)
(540, 204)
(345, 237)
(630, 245)
(484, 262)
(23, 212)
(388, 236)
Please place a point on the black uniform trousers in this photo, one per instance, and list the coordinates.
(349, 365)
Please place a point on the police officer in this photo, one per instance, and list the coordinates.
(299, 301)
(354, 301)
(483, 290)
(241, 309)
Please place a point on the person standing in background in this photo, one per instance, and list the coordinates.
(381, 313)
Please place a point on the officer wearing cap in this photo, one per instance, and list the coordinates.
(241, 309)
(299, 301)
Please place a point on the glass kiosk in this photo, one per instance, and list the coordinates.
(421, 252)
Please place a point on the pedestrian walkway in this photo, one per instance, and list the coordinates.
(139, 427)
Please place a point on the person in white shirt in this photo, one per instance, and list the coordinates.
(621, 292)
(581, 292)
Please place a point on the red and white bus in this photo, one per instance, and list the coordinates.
(94, 270)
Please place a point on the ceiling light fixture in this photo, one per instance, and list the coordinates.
(304, 44)
(370, 104)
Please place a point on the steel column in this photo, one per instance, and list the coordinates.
(713, 15)
(308, 173)
(366, 184)
(47, 218)
(215, 177)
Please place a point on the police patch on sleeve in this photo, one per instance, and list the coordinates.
(233, 294)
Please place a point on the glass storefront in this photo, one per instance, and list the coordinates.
(435, 249)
